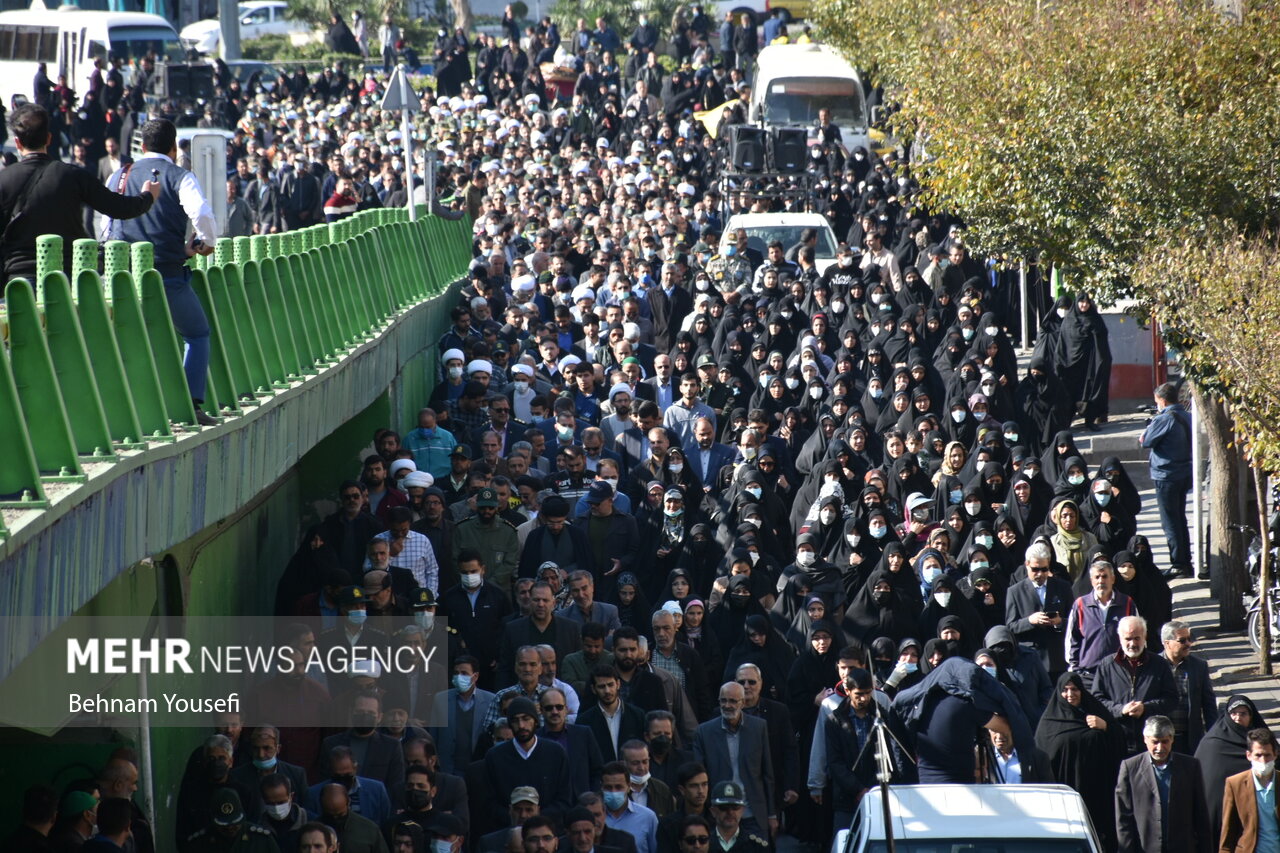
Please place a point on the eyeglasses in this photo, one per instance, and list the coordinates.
(553, 707)
(698, 840)
(1182, 641)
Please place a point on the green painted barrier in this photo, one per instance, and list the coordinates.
(99, 368)
(107, 364)
(37, 383)
(75, 379)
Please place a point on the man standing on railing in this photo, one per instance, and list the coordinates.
(40, 195)
(165, 227)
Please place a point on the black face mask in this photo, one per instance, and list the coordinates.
(739, 602)
(216, 768)
(337, 823)
(660, 745)
(882, 598)
(346, 780)
(417, 800)
(1003, 653)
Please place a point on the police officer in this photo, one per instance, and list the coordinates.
(729, 269)
(727, 802)
(228, 831)
(165, 227)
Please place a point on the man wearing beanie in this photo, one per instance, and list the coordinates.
(527, 760)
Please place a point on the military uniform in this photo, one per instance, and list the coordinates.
(747, 840)
(734, 269)
(227, 812)
(498, 543)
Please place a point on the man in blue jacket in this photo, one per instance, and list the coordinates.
(1168, 442)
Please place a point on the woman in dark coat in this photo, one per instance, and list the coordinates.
(878, 610)
(1221, 751)
(1083, 360)
(764, 647)
(1084, 745)
(1042, 405)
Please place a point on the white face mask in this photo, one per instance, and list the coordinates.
(793, 383)
(984, 541)
(1262, 768)
(613, 482)
(828, 516)
(455, 372)
(676, 467)
(521, 386)
(958, 415)
(278, 811)
(943, 598)
(1075, 479)
(1062, 312)
(806, 558)
(815, 393)
(640, 781)
(853, 539)
(972, 508)
(472, 580)
(837, 307)
(991, 330)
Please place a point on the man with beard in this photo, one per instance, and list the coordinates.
(228, 831)
(356, 834)
(527, 760)
(494, 538)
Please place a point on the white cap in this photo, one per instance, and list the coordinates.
(620, 388)
(480, 365)
(455, 353)
(523, 369)
(524, 282)
(583, 291)
(568, 361)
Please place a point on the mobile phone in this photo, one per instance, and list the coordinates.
(1052, 614)
(155, 174)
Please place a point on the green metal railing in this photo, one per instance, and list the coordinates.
(98, 370)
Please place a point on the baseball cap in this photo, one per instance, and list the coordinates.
(599, 492)
(422, 597)
(525, 793)
(461, 450)
(351, 595)
(487, 497)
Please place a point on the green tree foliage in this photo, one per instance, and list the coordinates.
(1091, 130)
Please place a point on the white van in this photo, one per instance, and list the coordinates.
(68, 39)
(794, 81)
(964, 818)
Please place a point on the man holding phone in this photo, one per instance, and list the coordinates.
(1035, 609)
(180, 200)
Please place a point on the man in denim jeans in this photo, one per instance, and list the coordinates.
(165, 227)
(1168, 440)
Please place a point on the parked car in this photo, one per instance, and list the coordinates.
(257, 18)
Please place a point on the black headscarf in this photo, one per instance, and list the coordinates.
(1086, 759)
(773, 659)
(866, 619)
(1221, 753)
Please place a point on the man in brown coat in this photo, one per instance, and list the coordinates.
(1250, 821)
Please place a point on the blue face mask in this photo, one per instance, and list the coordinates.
(614, 800)
(462, 683)
(357, 617)
(911, 667)
(992, 671)
(265, 765)
(931, 574)
(954, 496)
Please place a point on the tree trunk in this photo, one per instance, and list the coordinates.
(1226, 551)
(462, 17)
(1264, 574)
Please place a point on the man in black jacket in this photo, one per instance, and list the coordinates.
(40, 195)
(639, 686)
(527, 760)
(1036, 608)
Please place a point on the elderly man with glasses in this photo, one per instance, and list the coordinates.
(1197, 707)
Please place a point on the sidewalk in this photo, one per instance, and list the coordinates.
(1232, 660)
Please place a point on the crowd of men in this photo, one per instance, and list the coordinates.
(686, 515)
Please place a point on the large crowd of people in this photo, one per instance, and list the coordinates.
(690, 514)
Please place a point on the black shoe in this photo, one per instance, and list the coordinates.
(203, 418)
(1177, 572)
(1203, 575)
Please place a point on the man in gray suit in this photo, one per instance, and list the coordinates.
(457, 716)
(734, 735)
(584, 608)
(1160, 801)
